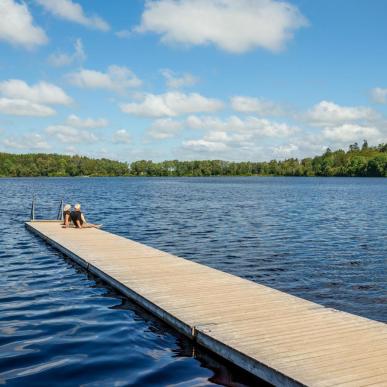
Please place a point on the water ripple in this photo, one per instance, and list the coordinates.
(321, 239)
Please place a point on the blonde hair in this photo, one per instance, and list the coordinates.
(77, 206)
(67, 207)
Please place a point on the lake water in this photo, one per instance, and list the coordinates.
(323, 239)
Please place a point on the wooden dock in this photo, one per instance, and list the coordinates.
(280, 338)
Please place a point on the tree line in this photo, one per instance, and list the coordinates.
(41, 164)
(356, 161)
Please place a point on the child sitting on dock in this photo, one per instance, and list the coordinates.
(79, 219)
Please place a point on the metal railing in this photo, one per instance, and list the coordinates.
(33, 209)
(60, 211)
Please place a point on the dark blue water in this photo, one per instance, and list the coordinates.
(321, 239)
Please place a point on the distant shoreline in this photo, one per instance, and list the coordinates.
(364, 161)
(188, 177)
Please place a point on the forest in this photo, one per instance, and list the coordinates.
(358, 160)
(41, 164)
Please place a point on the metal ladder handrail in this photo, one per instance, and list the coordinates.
(60, 211)
(33, 206)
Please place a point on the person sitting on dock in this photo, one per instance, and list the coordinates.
(77, 216)
(66, 215)
(79, 219)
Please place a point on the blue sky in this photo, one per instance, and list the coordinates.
(191, 79)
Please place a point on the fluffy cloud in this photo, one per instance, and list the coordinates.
(171, 104)
(250, 126)
(87, 123)
(31, 141)
(22, 99)
(42, 92)
(223, 142)
(117, 79)
(257, 106)
(340, 126)
(17, 27)
(21, 107)
(334, 137)
(348, 133)
(124, 34)
(165, 128)
(328, 113)
(71, 11)
(233, 137)
(71, 150)
(70, 135)
(174, 81)
(204, 145)
(285, 151)
(223, 134)
(60, 59)
(121, 136)
(236, 26)
(379, 95)
(306, 146)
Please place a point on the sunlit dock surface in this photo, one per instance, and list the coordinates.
(278, 337)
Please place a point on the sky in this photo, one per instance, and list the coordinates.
(192, 79)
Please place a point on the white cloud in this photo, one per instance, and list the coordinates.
(234, 137)
(255, 138)
(285, 151)
(68, 134)
(117, 79)
(71, 150)
(165, 128)
(60, 59)
(175, 82)
(171, 104)
(223, 137)
(31, 141)
(328, 113)
(348, 133)
(87, 123)
(204, 145)
(235, 26)
(21, 107)
(71, 11)
(308, 145)
(124, 34)
(17, 27)
(335, 137)
(21, 99)
(257, 106)
(41, 92)
(121, 136)
(223, 144)
(251, 126)
(379, 95)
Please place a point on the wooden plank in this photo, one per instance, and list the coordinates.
(278, 337)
